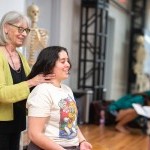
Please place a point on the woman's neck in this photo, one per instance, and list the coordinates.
(56, 83)
(10, 48)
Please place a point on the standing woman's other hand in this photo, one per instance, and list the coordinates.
(40, 79)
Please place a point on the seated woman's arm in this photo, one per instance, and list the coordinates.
(36, 126)
(84, 145)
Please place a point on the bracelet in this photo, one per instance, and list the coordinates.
(82, 142)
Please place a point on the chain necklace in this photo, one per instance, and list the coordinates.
(19, 70)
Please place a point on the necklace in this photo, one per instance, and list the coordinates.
(14, 68)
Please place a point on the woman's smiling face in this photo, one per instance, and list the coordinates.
(16, 37)
(62, 66)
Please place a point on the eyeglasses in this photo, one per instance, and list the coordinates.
(20, 29)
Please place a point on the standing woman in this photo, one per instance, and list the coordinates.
(14, 87)
(52, 110)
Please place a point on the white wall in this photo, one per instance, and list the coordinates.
(109, 59)
(148, 15)
(75, 43)
(66, 11)
(13, 5)
(55, 23)
(120, 52)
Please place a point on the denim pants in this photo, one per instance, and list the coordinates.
(32, 146)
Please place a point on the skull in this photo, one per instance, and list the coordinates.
(33, 12)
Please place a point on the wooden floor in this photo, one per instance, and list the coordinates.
(107, 138)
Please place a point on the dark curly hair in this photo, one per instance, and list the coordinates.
(46, 61)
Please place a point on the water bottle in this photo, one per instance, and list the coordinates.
(102, 117)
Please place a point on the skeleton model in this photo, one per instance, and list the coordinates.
(142, 80)
(38, 36)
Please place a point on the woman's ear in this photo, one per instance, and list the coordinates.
(6, 28)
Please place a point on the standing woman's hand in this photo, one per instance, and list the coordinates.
(38, 79)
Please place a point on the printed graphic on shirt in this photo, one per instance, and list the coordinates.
(68, 117)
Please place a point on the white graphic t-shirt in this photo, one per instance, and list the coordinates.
(59, 105)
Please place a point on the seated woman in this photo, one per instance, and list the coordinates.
(52, 110)
(123, 110)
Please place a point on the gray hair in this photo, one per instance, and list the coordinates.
(11, 17)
